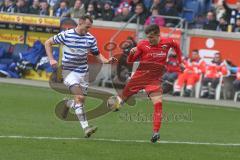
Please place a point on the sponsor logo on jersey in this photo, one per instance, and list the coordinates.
(164, 47)
(159, 54)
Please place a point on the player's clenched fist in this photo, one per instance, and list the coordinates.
(53, 63)
(133, 50)
(112, 60)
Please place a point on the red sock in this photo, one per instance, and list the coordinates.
(157, 116)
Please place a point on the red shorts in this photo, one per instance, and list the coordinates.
(150, 83)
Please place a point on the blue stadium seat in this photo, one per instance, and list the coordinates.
(18, 48)
(190, 10)
(188, 15)
(56, 52)
(5, 46)
(6, 61)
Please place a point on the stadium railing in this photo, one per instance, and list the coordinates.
(236, 95)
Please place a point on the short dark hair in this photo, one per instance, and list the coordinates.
(140, 5)
(85, 17)
(195, 50)
(152, 28)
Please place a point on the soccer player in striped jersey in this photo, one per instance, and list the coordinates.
(77, 43)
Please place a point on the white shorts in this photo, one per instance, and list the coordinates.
(73, 78)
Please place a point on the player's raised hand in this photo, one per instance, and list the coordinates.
(133, 50)
(112, 60)
(53, 63)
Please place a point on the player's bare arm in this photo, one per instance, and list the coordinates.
(102, 59)
(48, 46)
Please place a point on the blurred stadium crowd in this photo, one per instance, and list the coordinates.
(196, 76)
(204, 14)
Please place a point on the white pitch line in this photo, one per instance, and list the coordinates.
(119, 140)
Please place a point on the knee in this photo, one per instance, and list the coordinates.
(205, 82)
(79, 98)
(156, 97)
(172, 77)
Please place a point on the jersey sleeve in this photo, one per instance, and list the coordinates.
(178, 51)
(224, 69)
(133, 57)
(93, 47)
(59, 38)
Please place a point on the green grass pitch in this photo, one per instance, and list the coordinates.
(29, 111)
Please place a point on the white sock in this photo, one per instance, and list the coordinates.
(79, 110)
(84, 124)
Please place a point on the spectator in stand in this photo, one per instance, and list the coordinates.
(8, 6)
(223, 25)
(63, 9)
(169, 10)
(211, 22)
(179, 5)
(53, 4)
(35, 7)
(44, 9)
(107, 14)
(155, 18)
(21, 6)
(71, 3)
(172, 72)
(86, 3)
(236, 82)
(91, 11)
(220, 11)
(122, 5)
(213, 72)
(134, 4)
(236, 27)
(141, 14)
(157, 4)
(124, 68)
(204, 6)
(232, 14)
(115, 3)
(99, 9)
(78, 9)
(199, 22)
(194, 67)
(124, 16)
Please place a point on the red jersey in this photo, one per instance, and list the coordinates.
(196, 66)
(154, 58)
(152, 61)
(215, 70)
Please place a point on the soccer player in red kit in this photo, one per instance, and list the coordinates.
(152, 54)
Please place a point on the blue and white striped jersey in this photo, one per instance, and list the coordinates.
(75, 49)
